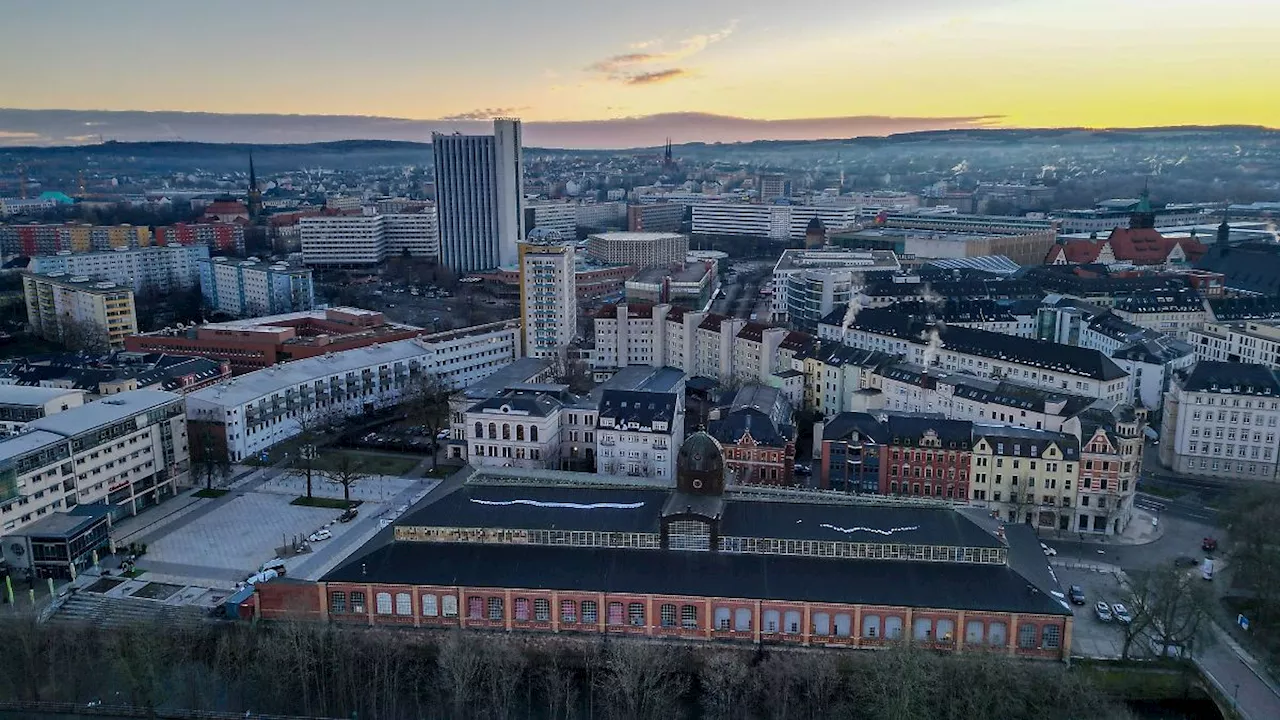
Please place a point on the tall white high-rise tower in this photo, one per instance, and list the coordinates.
(479, 197)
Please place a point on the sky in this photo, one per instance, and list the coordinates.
(997, 63)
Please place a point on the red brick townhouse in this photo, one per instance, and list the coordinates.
(576, 553)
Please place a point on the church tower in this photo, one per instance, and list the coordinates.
(1224, 230)
(254, 195)
(1143, 216)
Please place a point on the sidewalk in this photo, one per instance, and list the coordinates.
(1139, 531)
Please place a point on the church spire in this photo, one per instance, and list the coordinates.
(1224, 230)
(254, 195)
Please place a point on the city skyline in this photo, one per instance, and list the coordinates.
(918, 64)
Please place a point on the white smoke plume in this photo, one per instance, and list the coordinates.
(929, 296)
(850, 314)
(933, 343)
(1271, 228)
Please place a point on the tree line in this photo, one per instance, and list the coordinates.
(321, 670)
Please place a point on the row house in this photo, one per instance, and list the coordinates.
(1026, 476)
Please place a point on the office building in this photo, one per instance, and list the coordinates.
(250, 288)
(79, 312)
(1220, 420)
(345, 240)
(691, 284)
(1021, 248)
(547, 217)
(513, 551)
(772, 186)
(20, 405)
(776, 222)
(809, 284)
(548, 298)
(127, 452)
(661, 217)
(411, 233)
(253, 344)
(150, 270)
(479, 192)
(638, 249)
(252, 412)
(601, 215)
(1252, 342)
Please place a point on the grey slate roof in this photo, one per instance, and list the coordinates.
(1233, 378)
(643, 408)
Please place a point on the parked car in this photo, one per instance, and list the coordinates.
(320, 535)
(1206, 569)
(1103, 611)
(443, 434)
(348, 515)
(1209, 544)
(1076, 593)
(1121, 613)
(1048, 550)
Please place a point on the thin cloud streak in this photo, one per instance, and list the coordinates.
(486, 113)
(625, 67)
(659, 76)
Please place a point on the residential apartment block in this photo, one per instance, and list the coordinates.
(1252, 342)
(79, 312)
(156, 269)
(37, 239)
(127, 452)
(343, 240)
(249, 288)
(548, 298)
(776, 222)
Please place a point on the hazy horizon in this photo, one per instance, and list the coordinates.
(837, 67)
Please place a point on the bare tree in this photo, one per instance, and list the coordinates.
(1255, 550)
(209, 459)
(426, 403)
(642, 680)
(460, 669)
(82, 336)
(1168, 604)
(724, 678)
(312, 422)
(345, 470)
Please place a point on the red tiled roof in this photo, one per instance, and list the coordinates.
(1141, 246)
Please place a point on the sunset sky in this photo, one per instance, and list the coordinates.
(1013, 62)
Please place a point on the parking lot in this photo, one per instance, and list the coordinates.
(1091, 637)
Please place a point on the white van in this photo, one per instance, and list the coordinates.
(1206, 569)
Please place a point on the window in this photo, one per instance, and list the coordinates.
(337, 603)
(973, 632)
(568, 612)
(772, 618)
(946, 631)
(996, 634)
(635, 614)
(742, 620)
(542, 610)
(722, 618)
(475, 608)
(522, 610)
(404, 604)
(922, 629)
(533, 433)
(1026, 636)
(495, 608)
(357, 602)
(590, 613)
(519, 432)
(689, 617)
(667, 613)
(479, 430)
(493, 431)
(791, 622)
(506, 431)
(893, 627)
(1050, 636)
(430, 606)
(383, 602)
(449, 606)
(615, 613)
(844, 624)
(821, 624)
(870, 626)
